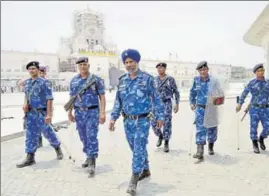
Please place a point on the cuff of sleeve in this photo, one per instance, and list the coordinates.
(49, 97)
(102, 92)
(113, 117)
(160, 118)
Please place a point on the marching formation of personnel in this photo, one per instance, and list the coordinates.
(143, 101)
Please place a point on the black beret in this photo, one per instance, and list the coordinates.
(82, 60)
(161, 65)
(201, 65)
(32, 63)
(258, 66)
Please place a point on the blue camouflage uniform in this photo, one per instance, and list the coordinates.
(38, 91)
(87, 113)
(198, 97)
(166, 91)
(134, 98)
(259, 110)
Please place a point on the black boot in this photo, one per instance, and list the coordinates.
(133, 184)
(210, 149)
(200, 152)
(59, 153)
(86, 163)
(145, 174)
(30, 160)
(166, 146)
(256, 146)
(160, 140)
(92, 164)
(40, 143)
(261, 141)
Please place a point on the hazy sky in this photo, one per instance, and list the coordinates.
(196, 31)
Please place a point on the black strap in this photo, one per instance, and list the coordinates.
(38, 109)
(135, 117)
(163, 82)
(261, 105)
(201, 106)
(86, 108)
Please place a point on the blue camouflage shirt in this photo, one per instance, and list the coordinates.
(90, 97)
(167, 89)
(199, 91)
(259, 90)
(38, 91)
(137, 96)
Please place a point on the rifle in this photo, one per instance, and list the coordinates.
(24, 118)
(246, 111)
(163, 82)
(70, 104)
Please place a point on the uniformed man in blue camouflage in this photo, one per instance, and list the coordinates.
(88, 112)
(167, 88)
(198, 101)
(43, 74)
(38, 114)
(259, 107)
(136, 95)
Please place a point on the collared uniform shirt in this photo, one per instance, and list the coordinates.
(137, 96)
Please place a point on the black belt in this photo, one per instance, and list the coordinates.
(166, 100)
(38, 109)
(201, 106)
(86, 108)
(261, 105)
(135, 117)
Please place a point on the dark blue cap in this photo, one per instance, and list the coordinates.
(82, 60)
(201, 65)
(258, 66)
(161, 65)
(32, 63)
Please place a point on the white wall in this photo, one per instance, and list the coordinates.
(265, 45)
(15, 61)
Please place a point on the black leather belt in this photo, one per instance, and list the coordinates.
(86, 108)
(261, 105)
(201, 106)
(38, 109)
(135, 117)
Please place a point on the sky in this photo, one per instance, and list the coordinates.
(195, 31)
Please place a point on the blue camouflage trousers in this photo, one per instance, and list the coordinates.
(257, 115)
(167, 127)
(201, 131)
(35, 124)
(87, 125)
(137, 132)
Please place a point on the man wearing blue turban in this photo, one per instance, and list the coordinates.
(135, 98)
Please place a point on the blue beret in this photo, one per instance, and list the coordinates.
(32, 63)
(201, 65)
(258, 66)
(161, 65)
(132, 54)
(82, 60)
